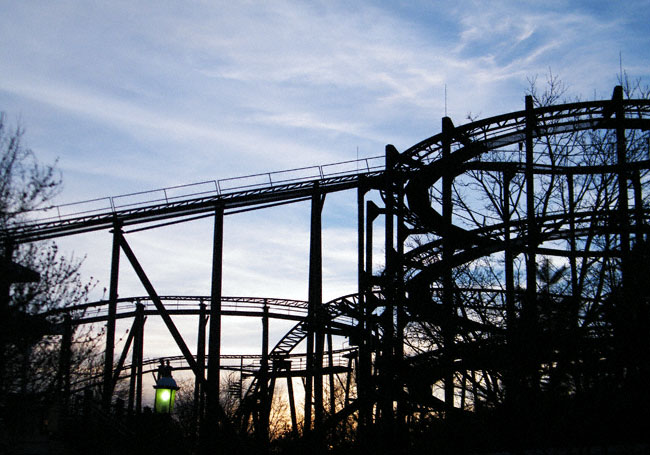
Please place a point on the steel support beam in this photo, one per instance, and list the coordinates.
(529, 309)
(330, 361)
(135, 382)
(638, 207)
(214, 341)
(63, 385)
(199, 395)
(125, 353)
(138, 351)
(292, 405)
(164, 314)
(364, 272)
(448, 330)
(362, 327)
(388, 319)
(621, 160)
(315, 347)
(400, 300)
(573, 259)
(263, 407)
(109, 351)
(508, 258)
(365, 356)
(511, 314)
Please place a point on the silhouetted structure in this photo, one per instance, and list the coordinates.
(512, 311)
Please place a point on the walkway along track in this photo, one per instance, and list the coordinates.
(244, 199)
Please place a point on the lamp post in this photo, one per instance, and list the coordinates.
(166, 388)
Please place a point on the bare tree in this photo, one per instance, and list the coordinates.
(33, 322)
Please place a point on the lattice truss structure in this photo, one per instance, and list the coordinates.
(514, 247)
(518, 259)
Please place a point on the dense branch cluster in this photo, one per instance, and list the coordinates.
(32, 323)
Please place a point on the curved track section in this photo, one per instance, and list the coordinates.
(512, 224)
(482, 149)
(187, 305)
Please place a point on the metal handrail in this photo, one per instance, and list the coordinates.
(211, 187)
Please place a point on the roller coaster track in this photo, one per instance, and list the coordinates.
(195, 200)
(185, 306)
(474, 139)
(410, 186)
(337, 314)
(507, 129)
(469, 143)
(335, 308)
(248, 364)
(339, 311)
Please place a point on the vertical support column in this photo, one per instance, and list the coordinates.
(572, 242)
(531, 265)
(448, 331)
(214, 343)
(63, 387)
(388, 342)
(110, 323)
(315, 331)
(200, 360)
(621, 158)
(241, 378)
(135, 383)
(508, 256)
(348, 378)
(309, 375)
(363, 375)
(319, 353)
(638, 206)
(133, 377)
(529, 309)
(264, 406)
(511, 380)
(292, 401)
(138, 349)
(330, 361)
(400, 300)
(5, 297)
(365, 360)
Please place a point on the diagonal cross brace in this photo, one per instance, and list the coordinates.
(167, 319)
(159, 306)
(125, 351)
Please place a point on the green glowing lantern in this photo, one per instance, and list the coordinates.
(166, 389)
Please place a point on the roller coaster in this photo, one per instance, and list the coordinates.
(513, 250)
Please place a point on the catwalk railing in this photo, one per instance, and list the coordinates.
(190, 199)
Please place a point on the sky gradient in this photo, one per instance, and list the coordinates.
(132, 96)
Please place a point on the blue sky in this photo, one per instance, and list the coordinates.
(130, 96)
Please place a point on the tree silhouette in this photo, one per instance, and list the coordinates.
(33, 320)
